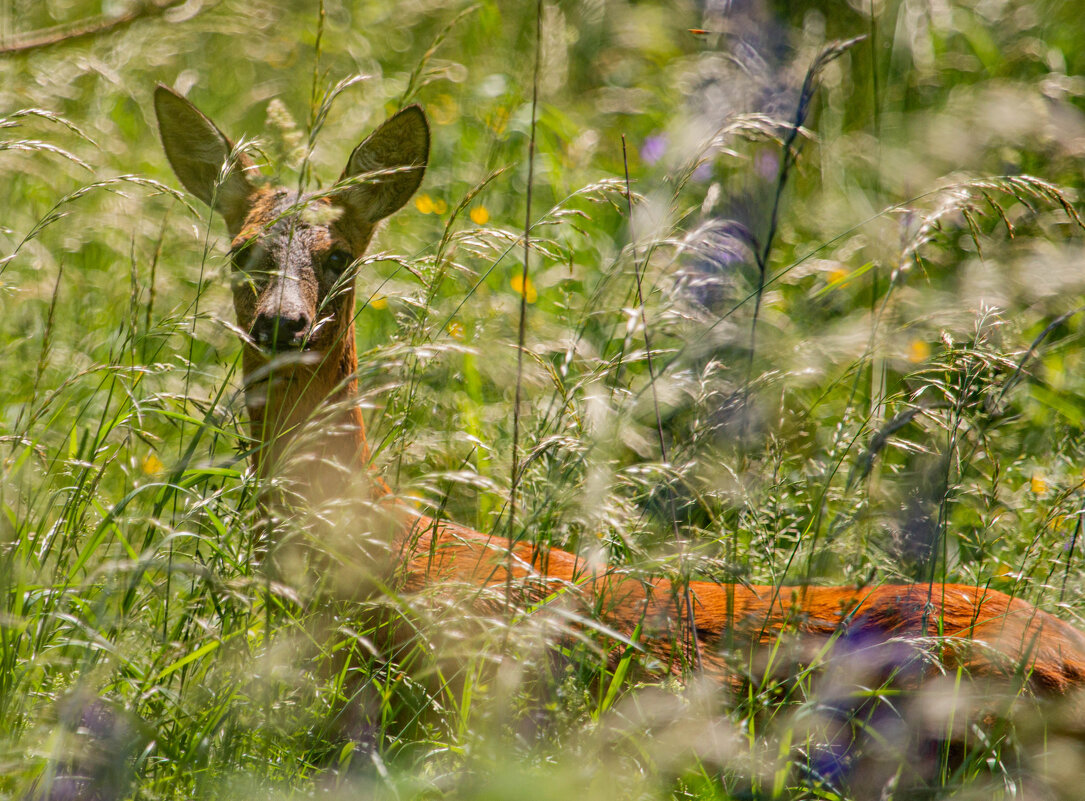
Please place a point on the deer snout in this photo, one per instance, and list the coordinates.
(283, 326)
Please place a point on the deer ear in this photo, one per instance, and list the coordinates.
(400, 146)
(197, 150)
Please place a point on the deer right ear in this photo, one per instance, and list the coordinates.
(399, 148)
(197, 150)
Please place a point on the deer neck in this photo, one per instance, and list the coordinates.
(304, 422)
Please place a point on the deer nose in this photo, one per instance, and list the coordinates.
(282, 331)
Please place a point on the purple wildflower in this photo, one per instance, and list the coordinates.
(653, 148)
(767, 164)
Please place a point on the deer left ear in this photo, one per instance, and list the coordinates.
(203, 158)
(399, 149)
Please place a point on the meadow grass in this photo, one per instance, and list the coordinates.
(800, 307)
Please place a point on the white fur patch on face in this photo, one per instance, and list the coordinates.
(320, 214)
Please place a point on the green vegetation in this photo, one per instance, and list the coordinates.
(866, 367)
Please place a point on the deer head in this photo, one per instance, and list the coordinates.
(294, 256)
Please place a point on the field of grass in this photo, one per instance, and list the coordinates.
(838, 340)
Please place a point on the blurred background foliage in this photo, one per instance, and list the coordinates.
(866, 367)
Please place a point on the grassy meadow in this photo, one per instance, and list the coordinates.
(805, 305)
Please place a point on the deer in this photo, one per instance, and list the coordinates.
(293, 294)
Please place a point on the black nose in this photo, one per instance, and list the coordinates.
(281, 331)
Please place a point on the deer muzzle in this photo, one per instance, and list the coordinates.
(283, 318)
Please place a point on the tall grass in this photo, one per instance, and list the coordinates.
(813, 324)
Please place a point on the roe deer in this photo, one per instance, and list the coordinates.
(290, 250)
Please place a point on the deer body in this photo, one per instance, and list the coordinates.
(294, 297)
(1011, 635)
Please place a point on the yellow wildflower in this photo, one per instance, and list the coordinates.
(918, 351)
(455, 330)
(152, 465)
(498, 120)
(444, 109)
(424, 203)
(1038, 484)
(379, 302)
(527, 290)
(480, 215)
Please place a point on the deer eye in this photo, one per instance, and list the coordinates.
(248, 256)
(337, 261)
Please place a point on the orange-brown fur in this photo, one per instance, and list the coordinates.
(278, 403)
(1002, 635)
(1014, 637)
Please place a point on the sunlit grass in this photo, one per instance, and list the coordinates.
(908, 409)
